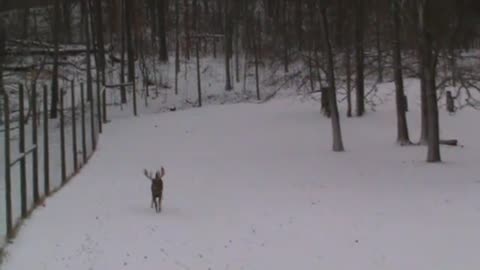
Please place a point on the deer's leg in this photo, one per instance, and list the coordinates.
(156, 205)
(160, 203)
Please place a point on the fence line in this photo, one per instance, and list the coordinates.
(54, 156)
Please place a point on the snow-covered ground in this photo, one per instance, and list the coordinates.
(256, 186)
(160, 99)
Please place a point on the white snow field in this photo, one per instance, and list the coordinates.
(257, 187)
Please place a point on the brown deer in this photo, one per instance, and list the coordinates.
(156, 187)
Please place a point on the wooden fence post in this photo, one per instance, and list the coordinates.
(36, 194)
(21, 148)
(62, 138)
(46, 153)
(74, 130)
(84, 135)
(8, 183)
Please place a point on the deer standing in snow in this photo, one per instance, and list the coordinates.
(156, 187)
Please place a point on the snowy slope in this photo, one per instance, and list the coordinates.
(161, 98)
(257, 187)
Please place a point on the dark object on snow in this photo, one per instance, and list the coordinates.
(173, 109)
(324, 100)
(156, 188)
(449, 142)
(450, 103)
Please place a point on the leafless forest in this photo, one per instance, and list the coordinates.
(339, 45)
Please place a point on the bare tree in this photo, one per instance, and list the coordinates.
(177, 43)
(2, 53)
(332, 97)
(402, 127)
(359, 56)
(162, 33)
(228, 27)
(55, 86)
(428, 69)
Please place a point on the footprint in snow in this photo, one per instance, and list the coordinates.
(290, 220)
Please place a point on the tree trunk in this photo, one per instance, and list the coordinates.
(402, 127)
(255, 48)
(286, 44)
(237, 53)
(195, 19)
(336, 129)
(67, 21)
(129, 8)
(123, 90)
(100, 40)
(423, 98)
(2, 50)
(432, 108)
(177, 44)
(199, 77)
(359, 56)
(311, 71)
(378, 45)
(86, 31)
(26, 20)
(186, 23)
(82, 23)
(35, 26)
(348, 71)
(162, 30)
(429, 64)
(55, 86)
(299, 23)
(345, 35)
(227, 39)
(153, 11)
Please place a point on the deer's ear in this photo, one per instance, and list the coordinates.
(162, 172)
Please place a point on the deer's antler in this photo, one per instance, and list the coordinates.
(147, 174)
(162, 172)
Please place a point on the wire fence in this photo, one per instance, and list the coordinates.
(41, 154)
